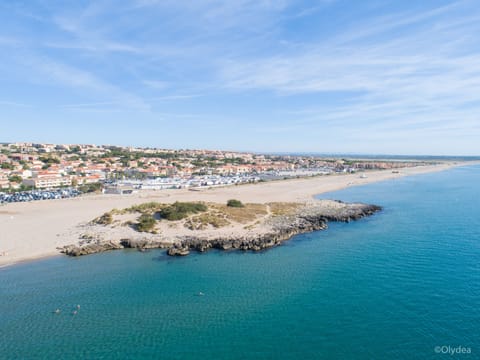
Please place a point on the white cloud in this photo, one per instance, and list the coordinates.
(79, 79)
(13, 104)
(100, 46)
(9, 41)
(397, 75)
(417, 80)
(156, 84)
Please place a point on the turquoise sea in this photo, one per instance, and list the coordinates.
(393, 286)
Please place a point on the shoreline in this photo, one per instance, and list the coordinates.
(35, 230)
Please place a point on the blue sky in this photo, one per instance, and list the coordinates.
(378, 76)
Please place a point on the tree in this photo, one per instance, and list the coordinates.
(75, 149)
(24, 187)
(48, 160)
(6, 166)
(88, 188)
(15, 179)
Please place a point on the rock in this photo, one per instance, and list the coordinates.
(173, 251)
(226, 246)
(73, 250)
(134, 243)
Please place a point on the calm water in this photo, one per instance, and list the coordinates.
(392, 286)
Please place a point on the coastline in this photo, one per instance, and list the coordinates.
(35, 230)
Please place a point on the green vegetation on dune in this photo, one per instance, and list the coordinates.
(234, 203)
(105, 219)
(146, 208)
(146, 223)
(180, 210)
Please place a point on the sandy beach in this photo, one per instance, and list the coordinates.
(35, 229)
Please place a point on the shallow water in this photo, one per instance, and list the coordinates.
(392, 286)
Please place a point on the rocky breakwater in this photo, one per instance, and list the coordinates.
(312, 217)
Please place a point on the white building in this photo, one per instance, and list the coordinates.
(48, 182)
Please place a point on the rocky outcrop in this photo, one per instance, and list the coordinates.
(312, 217)
(307, 219)
(178, 250)
(74, 250)
(143, 244)
(86, 248)
(343, 212)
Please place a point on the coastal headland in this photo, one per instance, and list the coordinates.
(185, 226)
(39, 229)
